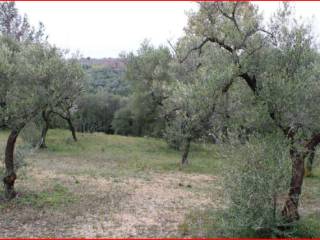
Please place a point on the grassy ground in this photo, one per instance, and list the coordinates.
(115, 186)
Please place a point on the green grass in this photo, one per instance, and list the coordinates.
(115, 157)
(209, 223)
(53, 197)
(133, 153)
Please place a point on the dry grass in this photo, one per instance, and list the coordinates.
(106, 186)
(113, 186)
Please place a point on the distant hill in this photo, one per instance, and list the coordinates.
(105, 74)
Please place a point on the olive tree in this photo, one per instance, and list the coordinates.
(191, 109)
(63, 89)
(278, 63)
(148, 73)
(193, 98)
(23, 96)
(17, 27)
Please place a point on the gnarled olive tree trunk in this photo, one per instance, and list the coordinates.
(72, 129)
(10, 175)
(46, 118)
(67, 117)
(290, 209)
(186, 148)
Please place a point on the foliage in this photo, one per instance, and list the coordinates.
(109, 79)
(96, 112)
(261, 172)
(123, 122)
(254, 184)
(17, 27)
(277, 62)
(192, 106)
(148, 74)
(23, 95)
(31, 134)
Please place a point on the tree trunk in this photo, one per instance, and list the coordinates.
(224, 130)
(290, 209)
(73, 131)
(10, 176)
(225, 135)
(44, 132)
(184, 160)
(45, 116)
(309, 164)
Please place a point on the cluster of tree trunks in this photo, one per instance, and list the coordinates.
(46, 126)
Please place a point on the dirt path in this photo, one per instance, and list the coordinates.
(146, 206)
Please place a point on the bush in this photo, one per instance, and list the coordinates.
(255, 181)
(122, 122)
(258, 179)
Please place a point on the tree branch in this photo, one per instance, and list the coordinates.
(251, 81)
(209, 39)
(60, 115)
(232, 17)
(199, 47)
(313, 142)
(172, 47)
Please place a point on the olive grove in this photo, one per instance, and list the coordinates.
(234, 77)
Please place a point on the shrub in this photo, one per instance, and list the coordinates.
(258, 179)
(122, 122)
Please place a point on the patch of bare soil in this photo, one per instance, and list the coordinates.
(153, 208)
(128, 207)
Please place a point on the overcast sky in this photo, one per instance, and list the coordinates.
(105, 29)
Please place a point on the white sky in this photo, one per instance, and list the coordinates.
(105, 29)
